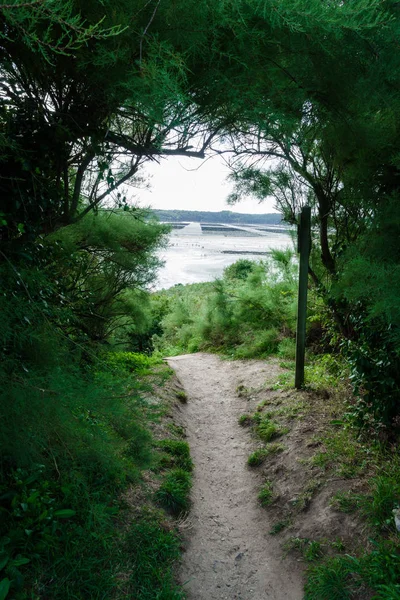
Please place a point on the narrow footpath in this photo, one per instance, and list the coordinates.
(229, 553)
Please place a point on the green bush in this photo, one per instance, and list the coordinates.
(250, 312)
(241, 269)
(369, 287)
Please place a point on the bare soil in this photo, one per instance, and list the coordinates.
(230, 554)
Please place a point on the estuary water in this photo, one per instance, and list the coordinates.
(198, 253)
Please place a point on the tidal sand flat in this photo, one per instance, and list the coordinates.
(195, 255)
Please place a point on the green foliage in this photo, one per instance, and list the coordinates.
(131, 362)
(72, 30)
(378, 506)
(108, 259)
(241, 269)
(182, 396)
(257, 457)
(265, 495)
(267, 430)
(329, 581)
(173, 493)
(89, 445)
(245, 420)
(69, 452)
(154, 550)
(375, 375)
(343, 577)
(371, 264)
(59, 508)
(279, 526)
(324, 371)
(246, 314)
(180, 453)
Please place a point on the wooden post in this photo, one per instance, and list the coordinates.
(304, 247)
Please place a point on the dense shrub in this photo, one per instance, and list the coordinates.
(370, 283)
(73, 429)
(250, 312)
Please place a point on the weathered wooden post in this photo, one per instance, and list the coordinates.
(304, 247)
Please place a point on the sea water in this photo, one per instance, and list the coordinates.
(195, 255)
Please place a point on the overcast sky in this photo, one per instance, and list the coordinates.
(191, 184)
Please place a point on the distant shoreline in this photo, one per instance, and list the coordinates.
(224, 216)
(253, 252)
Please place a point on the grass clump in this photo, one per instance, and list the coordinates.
(279, 526)
(346, 502)
(153, 549)
(241, 390)
(177, 430)
(330, 580)
(257, 457)
(285, 381)
(374, 574)
(265, 495)
(377, 507)
(182, 396)
(304, 498)
(245, 420)
(267, 430)
(287, 350)
(132, 362)
(179, 452)
(311, 550)
(173, 493)
(344, 453)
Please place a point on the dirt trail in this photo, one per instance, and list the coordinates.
(230, 554)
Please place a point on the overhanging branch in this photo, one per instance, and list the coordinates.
(142, 150)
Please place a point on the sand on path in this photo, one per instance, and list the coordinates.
(230, 554)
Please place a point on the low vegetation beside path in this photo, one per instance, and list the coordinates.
(328, 453)
(96, 481)
(328, 492)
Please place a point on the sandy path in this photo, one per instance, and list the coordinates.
(230, 554)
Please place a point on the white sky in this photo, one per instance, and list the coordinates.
(191, 184)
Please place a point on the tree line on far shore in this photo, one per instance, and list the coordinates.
(223, 216)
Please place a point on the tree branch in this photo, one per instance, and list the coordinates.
(140, 150)
(78, 184)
